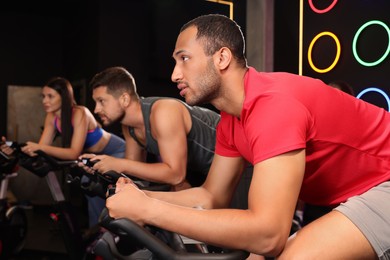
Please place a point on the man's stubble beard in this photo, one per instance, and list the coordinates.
(118, 119)
(209, 86)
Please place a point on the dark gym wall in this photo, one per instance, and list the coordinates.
(343, 19)
(26, 53)
(77, 38)
(42, 39)
(286, 32)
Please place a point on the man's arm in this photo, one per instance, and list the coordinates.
(134, 151)
(262, 229)
(169, 128)
(209, 195)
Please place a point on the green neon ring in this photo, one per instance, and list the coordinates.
(355, 38)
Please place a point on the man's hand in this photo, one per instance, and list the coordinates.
(82, 158)
(128, 201)
(107, 163)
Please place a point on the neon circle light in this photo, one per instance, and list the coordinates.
(323, 10)
(355, 38)
(337, 54)
(372, 89)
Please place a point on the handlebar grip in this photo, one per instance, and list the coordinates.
(127, 228)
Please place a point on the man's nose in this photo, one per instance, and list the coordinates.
(97, 109)
(176, 74)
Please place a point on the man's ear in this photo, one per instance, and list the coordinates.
(125, 99)
(224, 57)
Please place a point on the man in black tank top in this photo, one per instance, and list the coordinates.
(180, 136)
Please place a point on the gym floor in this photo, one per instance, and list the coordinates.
(36, 255)
(44, 240)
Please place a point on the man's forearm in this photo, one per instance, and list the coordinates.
(193, 198)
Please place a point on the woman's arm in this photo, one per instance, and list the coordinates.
(49, 130)
(80, 129)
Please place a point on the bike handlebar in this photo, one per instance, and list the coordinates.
(125, 227)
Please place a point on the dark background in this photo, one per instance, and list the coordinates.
(78, 38)
(344, 20)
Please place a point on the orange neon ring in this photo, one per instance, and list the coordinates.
(337, 54)
(323, 10)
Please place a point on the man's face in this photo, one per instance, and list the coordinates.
(107, 107)
(196, 76)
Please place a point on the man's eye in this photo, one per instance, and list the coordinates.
(184, 58)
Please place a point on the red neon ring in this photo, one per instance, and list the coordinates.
(323, 10)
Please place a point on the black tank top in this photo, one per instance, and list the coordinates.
(200, 139)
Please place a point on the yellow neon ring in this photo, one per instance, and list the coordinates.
(337, 54)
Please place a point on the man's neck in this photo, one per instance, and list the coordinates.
(232, 94)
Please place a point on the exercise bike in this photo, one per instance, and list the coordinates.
(13, 219)
(45, 166)
(63, 215)
(99, 183)
(127, 240)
